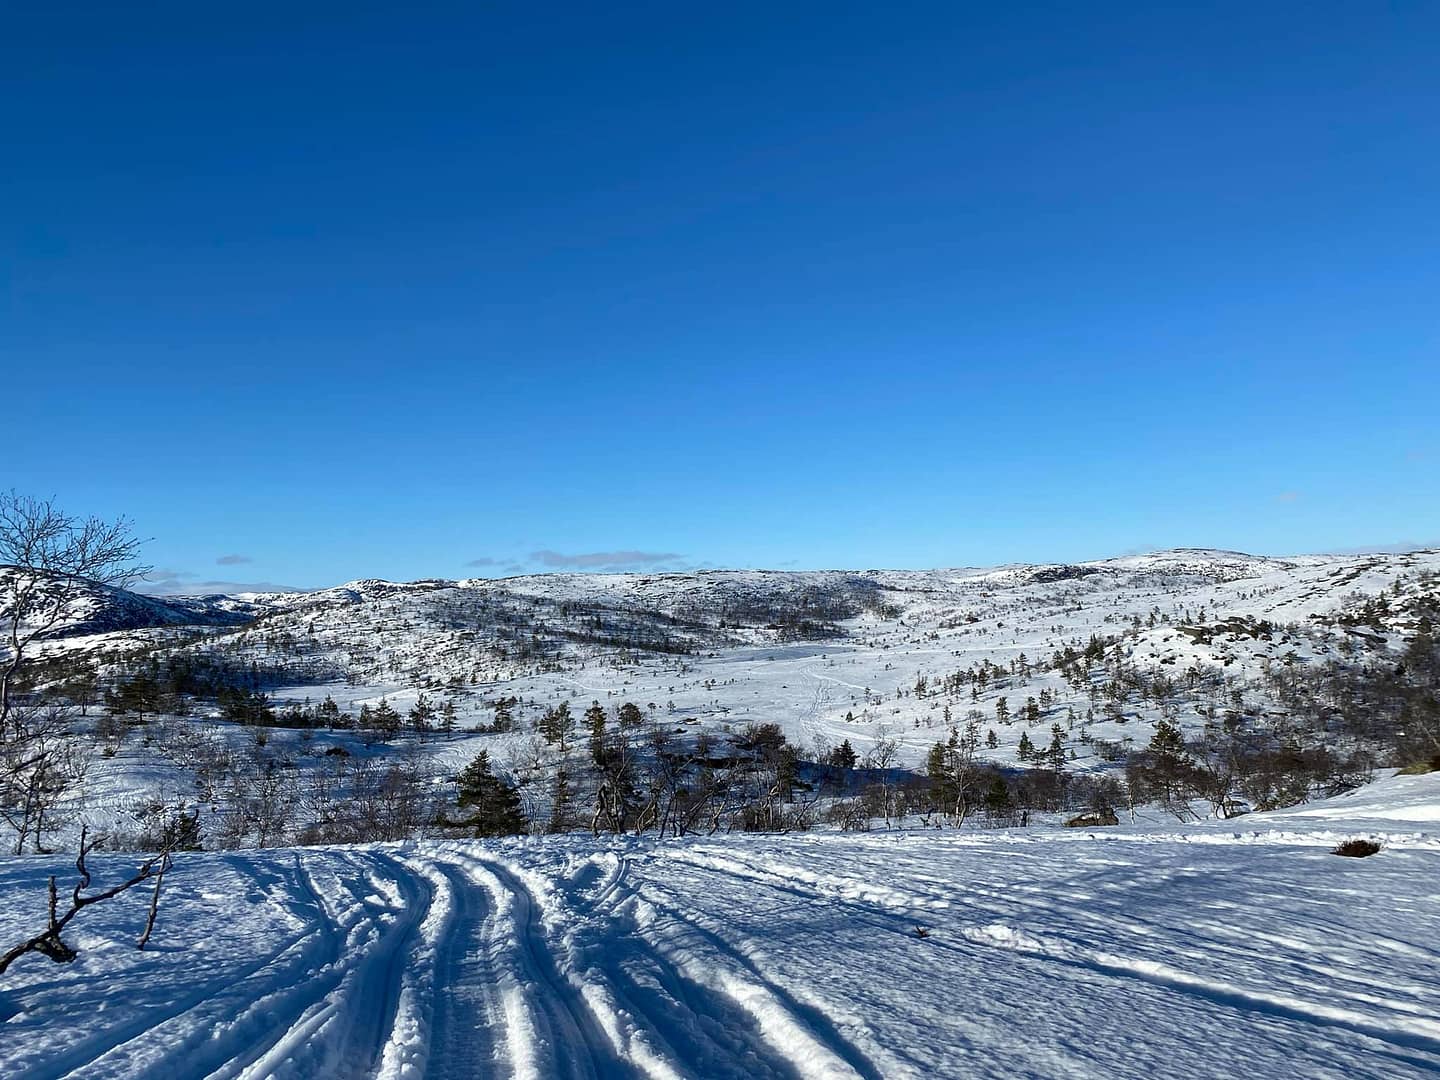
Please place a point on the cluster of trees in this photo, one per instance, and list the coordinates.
(135, 696)
(50, 560)
(176, 680)
(1332, 725)
(804, 612)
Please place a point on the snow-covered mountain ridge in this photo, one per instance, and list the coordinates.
(1065, 667)
(1312, 581)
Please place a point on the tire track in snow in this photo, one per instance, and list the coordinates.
(703, 1031)
(578, 1047)
(339, 1020)
(380, 972)
(1412, 1034)
(468, 1004)
(802, 1033)
(593, 887)
(1374, 993)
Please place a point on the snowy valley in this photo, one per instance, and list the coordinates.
(744, 823)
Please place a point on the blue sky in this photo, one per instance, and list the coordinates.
(317, 292)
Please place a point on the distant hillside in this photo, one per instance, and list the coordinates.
(104, 609)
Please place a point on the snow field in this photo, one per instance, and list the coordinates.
(1211, 950)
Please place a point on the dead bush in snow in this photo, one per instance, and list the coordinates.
(1356, 849)
(49, 943)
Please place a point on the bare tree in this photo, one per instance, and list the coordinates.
(40, 765)
(48, 561)
(879, 763)
(51, 557)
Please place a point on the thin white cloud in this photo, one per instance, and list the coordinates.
(603, 560)
(184, 583)
(233, 560)
(1398, 548)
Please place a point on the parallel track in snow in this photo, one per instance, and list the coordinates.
(754, 959)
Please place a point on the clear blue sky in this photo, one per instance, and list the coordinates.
(316, 291)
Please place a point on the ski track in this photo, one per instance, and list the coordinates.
(468, 1003)
(1402, 1034)
(322, 1003)
(801, 1034)
(693, 959)
(112, 1051)
(575, 1044)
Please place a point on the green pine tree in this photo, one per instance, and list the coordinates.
(595, 722)
(561, 809)
(493, 803)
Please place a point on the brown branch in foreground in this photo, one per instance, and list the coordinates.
(49, 943)
(154, 905)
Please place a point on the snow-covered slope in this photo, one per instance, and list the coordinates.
(1197, 952)
(96, 609)
(868, 657)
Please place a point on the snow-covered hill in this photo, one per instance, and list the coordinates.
(95, 609)
(1203, 951)
(873, 658)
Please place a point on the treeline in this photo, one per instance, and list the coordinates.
(1330, 725)
(808, 612)
(172, 682)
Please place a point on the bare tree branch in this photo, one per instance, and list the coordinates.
(52, 556)
(49, 943)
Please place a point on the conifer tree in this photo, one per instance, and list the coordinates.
(504, 716)
(422, 715)
(595, 724)
(1055, 753)
(997, 798)
(558, 725)
(561, 809)
(493, 803)
(385, 720)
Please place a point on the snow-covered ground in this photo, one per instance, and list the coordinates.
(1181, 614)
(1232, 949)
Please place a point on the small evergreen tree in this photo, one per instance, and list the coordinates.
(561, 809)
(385, 720)
(1055, 754)
(558, 725)
(504, 716)
(422, 715)
(493, 803)
(998, 804)
(595, 723)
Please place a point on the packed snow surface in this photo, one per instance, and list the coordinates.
(1240, 948)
